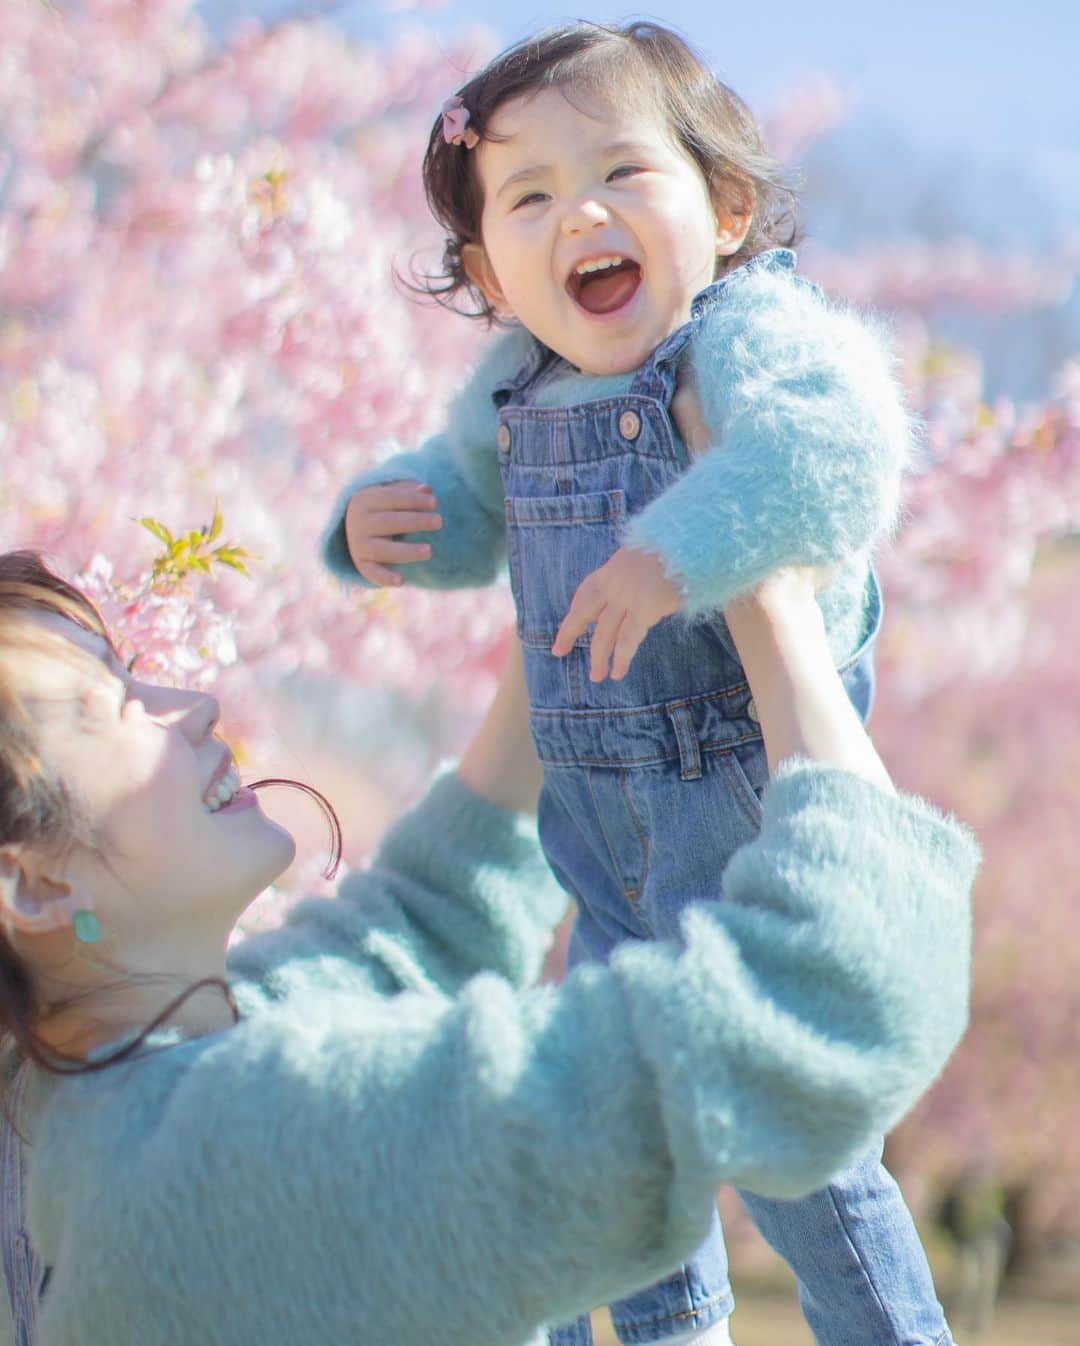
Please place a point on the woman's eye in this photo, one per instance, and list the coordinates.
(622, 170)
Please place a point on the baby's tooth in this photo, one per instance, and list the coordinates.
(600, 264)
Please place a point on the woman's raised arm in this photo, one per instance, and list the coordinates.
(458, 885)
(801, 703)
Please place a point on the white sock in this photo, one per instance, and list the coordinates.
(719, 1334)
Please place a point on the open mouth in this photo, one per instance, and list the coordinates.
(605, 284)
(226, 794)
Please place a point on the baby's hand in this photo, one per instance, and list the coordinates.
(376, 515)
(625, 597)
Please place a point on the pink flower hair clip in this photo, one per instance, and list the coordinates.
(455, 124)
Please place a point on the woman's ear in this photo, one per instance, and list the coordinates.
(734, 214)
(34, 900)
(481, 273)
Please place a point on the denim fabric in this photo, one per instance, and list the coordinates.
(650, 784)
(861, 1269)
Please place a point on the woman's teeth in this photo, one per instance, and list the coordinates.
(600, 264)
(223, 791)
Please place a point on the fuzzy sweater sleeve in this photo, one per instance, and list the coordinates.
(457, 886)
(461, 466)
(810, 442)
(415, 1168)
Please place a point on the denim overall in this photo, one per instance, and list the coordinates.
(650, 784)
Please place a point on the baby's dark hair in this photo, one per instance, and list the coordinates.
(708, 119)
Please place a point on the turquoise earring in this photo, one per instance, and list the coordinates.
(87, 927)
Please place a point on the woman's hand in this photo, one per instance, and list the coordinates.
(500, 763)
(801, 703)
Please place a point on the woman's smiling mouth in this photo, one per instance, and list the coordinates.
(227, 794)
(601, 285)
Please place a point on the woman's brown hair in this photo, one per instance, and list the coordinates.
(644, 60)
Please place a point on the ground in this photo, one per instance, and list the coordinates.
(775, 1321)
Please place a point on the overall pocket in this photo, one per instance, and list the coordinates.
(552, 544)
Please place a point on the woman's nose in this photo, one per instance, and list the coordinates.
(207, 713)
(201, 716)
(195, 712)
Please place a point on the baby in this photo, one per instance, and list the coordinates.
(672, 415)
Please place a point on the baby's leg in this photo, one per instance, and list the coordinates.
(594, 839)
(670, 828)
(689, 1308)
(862, 1272)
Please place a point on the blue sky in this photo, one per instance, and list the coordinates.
(955, 71)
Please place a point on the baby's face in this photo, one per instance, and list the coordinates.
(606, 190)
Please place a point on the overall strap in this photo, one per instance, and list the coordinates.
(518, 389)
(22, 1269)
(657, 376)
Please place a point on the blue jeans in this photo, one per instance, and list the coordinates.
(633, 845)
(650, 784)
(861, 1269)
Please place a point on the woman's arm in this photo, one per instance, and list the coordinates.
(416, 1169)
(803, 708)
(500, 763)
(457, 886)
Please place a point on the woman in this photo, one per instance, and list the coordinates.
(385, 1148)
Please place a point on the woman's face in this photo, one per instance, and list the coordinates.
(147, 776)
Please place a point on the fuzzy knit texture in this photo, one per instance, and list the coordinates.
(810, 438)
(391, 1148)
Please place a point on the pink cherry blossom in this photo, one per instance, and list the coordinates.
(198, 309)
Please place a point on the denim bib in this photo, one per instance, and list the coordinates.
(572, 477)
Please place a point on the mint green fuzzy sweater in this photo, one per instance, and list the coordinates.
(809, 434)
(401, 1145)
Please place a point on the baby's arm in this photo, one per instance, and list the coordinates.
(377, 520)
(806, 441)
(460, 466)
(463, 549)
(800, 438)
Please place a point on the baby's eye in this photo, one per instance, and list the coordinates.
(528, 200)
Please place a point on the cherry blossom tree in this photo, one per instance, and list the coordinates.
(197, 311)
(201, 340)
